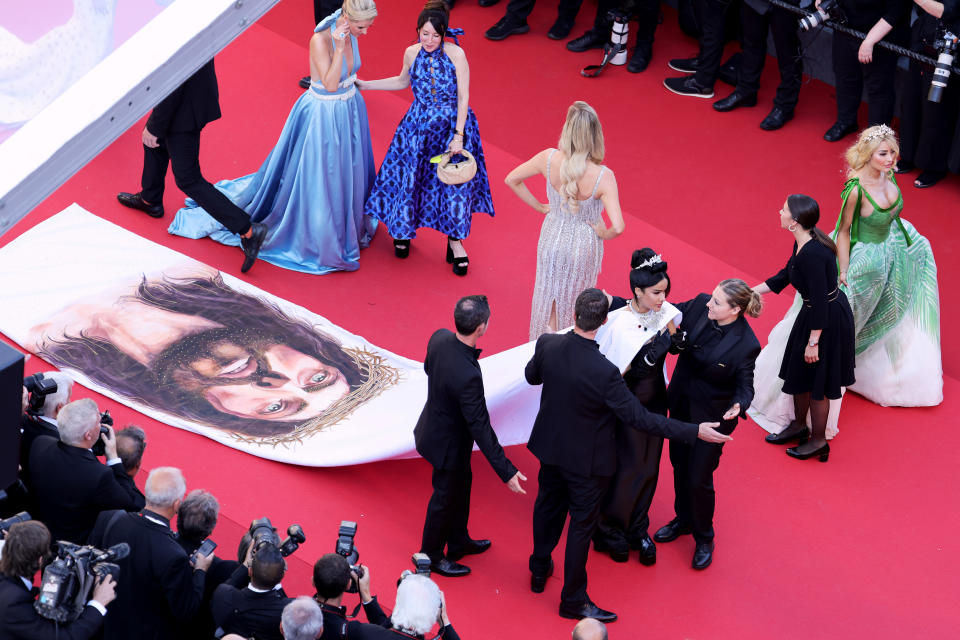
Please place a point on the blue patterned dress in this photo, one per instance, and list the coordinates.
(407, 194)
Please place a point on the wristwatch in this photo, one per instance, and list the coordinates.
(813, 343)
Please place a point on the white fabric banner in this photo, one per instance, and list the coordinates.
(204, 351)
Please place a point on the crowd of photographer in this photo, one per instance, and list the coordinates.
(112, 566)
(870, 38)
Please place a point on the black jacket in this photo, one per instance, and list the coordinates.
(202, 626)
(336, 625)
(583, 397)
(69, 487)
(158, 590)
(455, 415)
(250, 614)
(190, 107)
(20, 621)
(707, 382)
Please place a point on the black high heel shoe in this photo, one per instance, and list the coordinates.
(401, 248)
(789, 434)
(823, 453)
(460, 265)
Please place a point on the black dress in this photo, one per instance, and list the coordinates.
(813, 273)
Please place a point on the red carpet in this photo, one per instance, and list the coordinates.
(859, 547)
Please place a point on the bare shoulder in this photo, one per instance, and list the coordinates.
(453, 51)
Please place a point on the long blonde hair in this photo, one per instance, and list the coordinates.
(359, 10)
(859, 154)
(580, 140)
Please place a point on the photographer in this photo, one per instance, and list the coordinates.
(69, 486)
(420, 604)
(26, 545)
(43, 422)
(253, 610)
(131, 443)
(331, 578)
(301, 620)
(161, 587)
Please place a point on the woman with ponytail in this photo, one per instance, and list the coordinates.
(818, 358)
(712, 382)
(579, 188)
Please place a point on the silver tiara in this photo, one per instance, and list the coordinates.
(650, 262)
(883, 131)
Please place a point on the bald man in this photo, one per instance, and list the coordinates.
(590, 629)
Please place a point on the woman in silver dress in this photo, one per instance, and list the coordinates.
(579, 188)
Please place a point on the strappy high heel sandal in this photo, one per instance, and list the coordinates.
(401, 248)
(460, 265)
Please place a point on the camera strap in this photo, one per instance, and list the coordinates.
(593, 70)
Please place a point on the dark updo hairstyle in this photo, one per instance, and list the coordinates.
(436, 13)
(806, 212)
(643, 277)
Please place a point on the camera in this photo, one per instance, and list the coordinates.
(262, 532)
(346, 548)
(615, 51)
(826, 10)
(39, 388)
(421, 567)
(106, 420)
(69, 579)
(946, 46)
(5, 525)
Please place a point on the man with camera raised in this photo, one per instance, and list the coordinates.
(332, 577)
(252, 605)
(68, 485)
(161, 587)
(26, 545)
(42, 420)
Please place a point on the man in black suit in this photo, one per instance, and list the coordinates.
(574, 437)
(252, 606)
(172, 137)
(331, 578)
(69, 487)
(26, 544)
(43, 422)
(454, 417)
(161, 588)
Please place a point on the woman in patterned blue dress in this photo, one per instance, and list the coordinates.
(407, 194)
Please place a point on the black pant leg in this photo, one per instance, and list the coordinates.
(911, 111)
(783, 25)
(937, 126)
(712, 40)
(680, 454)
(549, 514)
(458, 535)
(323, 8)
(154, 176)
(519, 10)
(568, 9)
(754, 43)
(648, 468)
(878, 80)
(443, 510)
(704, 459)
(586, 494)
(184, 149)
(848, 78)
(647, 13)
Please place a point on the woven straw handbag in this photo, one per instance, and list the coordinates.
(456, 172)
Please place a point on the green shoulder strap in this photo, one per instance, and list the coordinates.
(855, 224)
(903, 229)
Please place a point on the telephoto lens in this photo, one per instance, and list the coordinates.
(947, 47)
(823, 12)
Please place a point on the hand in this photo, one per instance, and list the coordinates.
(456, 144)
(24, 400)
(609, 297)
(358, 83)
(149, 140)
(248, 559)
(811, 354)
(817, 4)
(443, 617)
(865, 55)
(363, 583)
(843, 278)
(732, 412)
(340, 34)
(105, 590)
(202, 562)
(109, 442)
(543, 207)
(599, 228)
(708, 433)
(514, 483)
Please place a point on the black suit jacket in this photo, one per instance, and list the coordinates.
(583, 397)
(69, 487)
(707, 382)
(20, 621)
(249, 613)
(202, 626)
(336, 625)
(190, 107)
(158, 590)
(455, 415)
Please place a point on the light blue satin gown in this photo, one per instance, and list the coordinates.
(311, 189)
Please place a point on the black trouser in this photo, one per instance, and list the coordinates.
(519, 10)
(783, 24)
(927, 128)
(851, 76)
(181, 150)
(323, 8)
(695, 498)
(562, 492)
(646, 13)
(626, 507)
(447, 512)
(712, 39)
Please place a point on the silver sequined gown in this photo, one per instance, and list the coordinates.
(569, 254)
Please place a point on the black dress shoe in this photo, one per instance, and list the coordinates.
(504, 29)
(640, 59)
(487, 3)
(560, 29)
(304, 82)
(586, 610)
(929, 178)
(688, 86)
(776, 119)
(538, 581)
(703, 555)
(590, 40)
(648, 551)
(251, 246)
(793, 431)
(449, 568)
(135, 201)
(734, 100)
(683, 65)
(822, 453)
(671, 531)
(617, 554)
(839, 131)
(472, 547)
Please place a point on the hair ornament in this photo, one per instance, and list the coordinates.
(657, 259)
(882, 131)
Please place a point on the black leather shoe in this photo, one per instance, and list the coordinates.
(839, 131)
(251, 246)
(929, 178)
(304, 82)
(703, 555)
(560, 29)
(648, 551)
(586, 610)
(488, 3)
(135, 201)
(821, 453)
(538, 581)
(671, 531)
(504, 29)
(616, 554)
(590, 40)
(640, 59)
(473, 547)
(776, 119)
(683, 65)
(688, 86)
(791, 432)
(449, 568)
(734, 100)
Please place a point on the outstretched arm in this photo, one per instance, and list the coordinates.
(397, 82)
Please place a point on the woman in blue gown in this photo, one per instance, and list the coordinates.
(311, 189)
(407, 194)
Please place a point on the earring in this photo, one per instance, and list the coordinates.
(792, 227)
